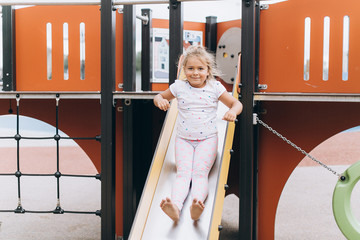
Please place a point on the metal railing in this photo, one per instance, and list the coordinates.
(87, 2)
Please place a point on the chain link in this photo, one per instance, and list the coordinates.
(296, 147)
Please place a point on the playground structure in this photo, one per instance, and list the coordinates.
(300, 86)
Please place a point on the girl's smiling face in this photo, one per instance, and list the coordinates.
(196, 72)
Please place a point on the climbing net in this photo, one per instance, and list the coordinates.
(18, 174)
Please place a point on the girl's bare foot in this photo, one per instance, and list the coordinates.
(196, 209)
(170, 209)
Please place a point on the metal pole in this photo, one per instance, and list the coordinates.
(107, 120)
(129, 25)
(246, 178)
(8, 48)
(85, 2)
(129, 76)
(176, 21)
(211, 33)
(256, 129)
(129, 206)
(146, 53)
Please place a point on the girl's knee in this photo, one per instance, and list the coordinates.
(199, 176)
(184, 174)
(201, 172)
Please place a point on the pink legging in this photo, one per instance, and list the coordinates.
(194, 159)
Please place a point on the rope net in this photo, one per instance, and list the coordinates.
(18, 174)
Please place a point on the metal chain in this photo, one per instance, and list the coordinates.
(296, 147)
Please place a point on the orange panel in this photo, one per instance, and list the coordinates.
(119, 172)
(119, 52)
(195, 26)
(160, 23)
(282, 29)
(223, 26)
(75, 119)
(164, 23)
(277, 159)
(159, 86)
(31, 48)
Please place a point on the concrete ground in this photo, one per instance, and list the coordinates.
(305, 206)
(304, 210)
(39, 193)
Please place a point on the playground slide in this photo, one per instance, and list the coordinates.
(150, 222)
(154, 224)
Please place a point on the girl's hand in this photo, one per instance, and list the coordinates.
(230, 116)
(161, 103)
(235, 107)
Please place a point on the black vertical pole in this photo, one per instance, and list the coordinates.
(257, 45)
(256, 128)
(176, 21)
(107, 120)
(129, 28)
(129, 197)
(246, 180)
(211, 33)
(146, 51)
(129, 206)
(8, 48)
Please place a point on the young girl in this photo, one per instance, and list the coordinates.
(196, 139)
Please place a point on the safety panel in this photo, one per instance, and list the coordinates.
(58, 48)
(310, 46)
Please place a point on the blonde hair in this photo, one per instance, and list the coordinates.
(204, 56)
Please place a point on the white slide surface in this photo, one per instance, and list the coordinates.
(158, 225)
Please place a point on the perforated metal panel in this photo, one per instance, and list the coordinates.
(227, 52)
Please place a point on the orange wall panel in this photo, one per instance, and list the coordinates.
(223, 26)
(31, 48)
(119, 52)
(277, 159)
(282, 29)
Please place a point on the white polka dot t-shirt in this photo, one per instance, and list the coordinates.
(197, 108)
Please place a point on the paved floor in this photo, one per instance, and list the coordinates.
(305, 206)
(304, 210)
(39, 193)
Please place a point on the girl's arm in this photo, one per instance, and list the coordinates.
(232, 103)
(161, 100)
